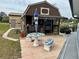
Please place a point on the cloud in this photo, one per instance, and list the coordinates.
(21, 5)
(10, 5)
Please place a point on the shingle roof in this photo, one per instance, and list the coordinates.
(15, 14)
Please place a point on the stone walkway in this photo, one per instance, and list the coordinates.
(29, 52)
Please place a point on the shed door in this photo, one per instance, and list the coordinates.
(13, 23)
(48, 26)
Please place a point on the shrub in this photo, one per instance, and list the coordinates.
(68, 31)
(65, 30)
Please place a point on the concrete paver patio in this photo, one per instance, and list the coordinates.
(29, 52)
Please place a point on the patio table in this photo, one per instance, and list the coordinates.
(34, 36)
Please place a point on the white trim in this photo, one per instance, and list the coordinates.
(44, 13)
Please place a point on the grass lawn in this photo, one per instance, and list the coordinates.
(14, 34)
(8, 49)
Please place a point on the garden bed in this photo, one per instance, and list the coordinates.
(14, 34)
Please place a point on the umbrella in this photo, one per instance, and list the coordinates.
(35, 34)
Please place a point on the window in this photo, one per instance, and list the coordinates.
(44, 11)
(55, 22)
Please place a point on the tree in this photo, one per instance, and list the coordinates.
(5, 19)
(3, 14)
(1, 18)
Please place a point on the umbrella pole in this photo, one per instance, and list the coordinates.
(36, 28)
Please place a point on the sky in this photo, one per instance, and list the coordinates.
(20, 6)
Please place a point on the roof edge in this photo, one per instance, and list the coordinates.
(36, 4)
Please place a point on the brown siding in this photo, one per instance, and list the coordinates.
(53, 11)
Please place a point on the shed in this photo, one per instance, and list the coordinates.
(48, 19)
(15, 20)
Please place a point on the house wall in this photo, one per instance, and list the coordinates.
(76, 7)
(17, 21)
